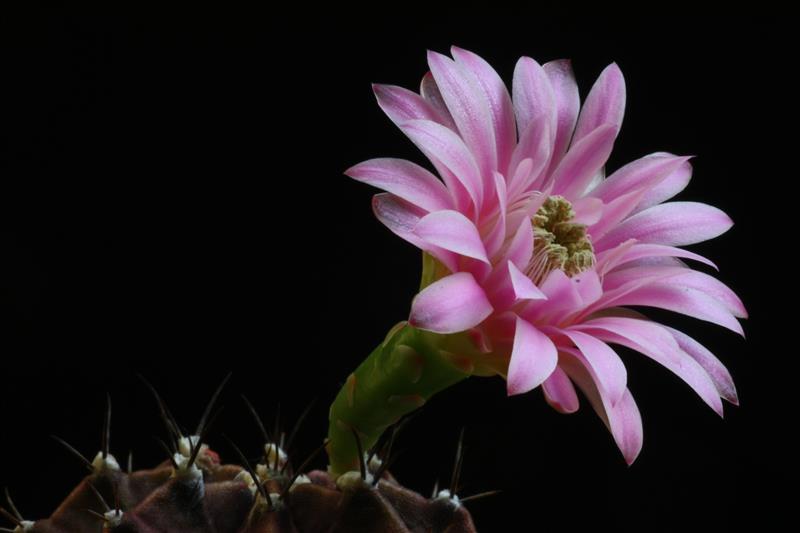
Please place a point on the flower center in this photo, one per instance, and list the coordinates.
(558, 243)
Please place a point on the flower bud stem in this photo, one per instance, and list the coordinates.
(399, 376)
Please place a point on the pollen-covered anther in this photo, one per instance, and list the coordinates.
(558, 243)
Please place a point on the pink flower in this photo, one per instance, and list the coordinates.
(539, 253)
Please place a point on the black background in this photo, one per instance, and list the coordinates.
(172, 203)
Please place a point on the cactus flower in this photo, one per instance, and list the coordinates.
(532, 255)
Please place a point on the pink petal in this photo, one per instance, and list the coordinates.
(641, 251)
(684, 300)
(469, 108)
(450, 305)
(672, 224)
(520, 248)
(524, 288)
(452, 231)
(657, 343)
(430, 92)
(499, 101)
(604, 105)
(588, 210)
(497, 236)
(536, 145)
(401, 218)
(402, 105)
(615, 212)
(642, 174)
(716, 370)
(560, 393)
(714, 288)
(532, 94)
(623, 420)
(606, 364)
(445, 148)
(405, 179)
(533, 359)
(562, 299)
(584, 158)
(668, 187)
(568, 103)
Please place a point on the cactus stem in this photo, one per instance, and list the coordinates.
(74, 452)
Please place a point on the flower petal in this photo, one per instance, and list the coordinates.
(623, 420)
(445, 148)
(657, 343)
(584, 158)
(672, 224)
(520, 249)
(533, 358)
(568, 103)
(532, 94)
(469, 108)
(502, 111)
(452, 231)
(716, 370)
(450, 305)
(642, 174)
(668, 187)
(402, 105)
(524, 288)
(560, 393)
(634, 252)
(604, 105)
(606, 364)
(405, 179)
(684, 300)
(431, 93)
(535, 145)
(401, 218)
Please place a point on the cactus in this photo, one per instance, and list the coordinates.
(193, 491)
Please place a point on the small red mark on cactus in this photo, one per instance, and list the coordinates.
(413, 400)
(212, 456)
(461, 362)
(412, 360)
(350, 389)
(480, 340)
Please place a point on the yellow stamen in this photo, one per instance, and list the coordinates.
(558, 243)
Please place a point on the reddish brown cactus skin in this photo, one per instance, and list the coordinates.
(156, 501)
